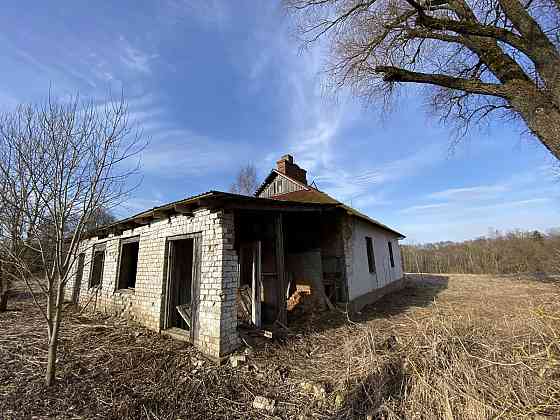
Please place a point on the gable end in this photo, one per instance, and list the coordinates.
(277, 184)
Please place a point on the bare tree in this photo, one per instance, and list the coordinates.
(246, 181)
(512, 252)
(100, 217)
(60, 162)
(477, 57)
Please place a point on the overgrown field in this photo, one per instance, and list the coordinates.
(467, 347)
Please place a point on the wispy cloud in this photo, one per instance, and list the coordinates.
(353, 184)
(134, 58)
(467, 212)
(424, 208)
(470, 193)
(179, 152)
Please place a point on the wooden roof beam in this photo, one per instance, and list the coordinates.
(184, 209)
(161, 214)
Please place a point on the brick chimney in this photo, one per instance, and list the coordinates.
(287, 167)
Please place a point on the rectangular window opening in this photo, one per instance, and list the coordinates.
(391, 254)
(370, 255)
(128, 263)
(98, 263)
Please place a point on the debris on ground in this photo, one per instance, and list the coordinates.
(453, 346)
(266, 404)
(236, 360)
(316, 390)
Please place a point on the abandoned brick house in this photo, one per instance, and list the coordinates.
(184, 267)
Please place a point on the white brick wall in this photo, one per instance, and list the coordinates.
(216, 332)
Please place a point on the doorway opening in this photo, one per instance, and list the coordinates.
(181, 284)
(261, 295)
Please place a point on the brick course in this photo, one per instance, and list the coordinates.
(216, 331)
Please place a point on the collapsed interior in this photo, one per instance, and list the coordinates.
(288, 263)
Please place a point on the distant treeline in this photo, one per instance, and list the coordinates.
(500, 253)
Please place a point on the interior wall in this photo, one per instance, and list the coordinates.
(304, 264)
(332, 256)
(257, 226)
(305, 268)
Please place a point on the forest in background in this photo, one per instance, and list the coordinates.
(512, 252)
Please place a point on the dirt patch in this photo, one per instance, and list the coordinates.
(443, 347)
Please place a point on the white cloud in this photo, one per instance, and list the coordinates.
(424, 208)
(178, 152)
(134, 58)
(353, 184)
(468, 212)
(470, 193)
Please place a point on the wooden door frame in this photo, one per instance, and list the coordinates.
(256, 279)
(195, 279)
(79, 278)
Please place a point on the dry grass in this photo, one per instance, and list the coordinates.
(445, 347)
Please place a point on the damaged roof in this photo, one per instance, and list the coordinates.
(313, 195)
(207, 199)
(306, 198)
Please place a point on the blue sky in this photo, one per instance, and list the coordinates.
(217, 84)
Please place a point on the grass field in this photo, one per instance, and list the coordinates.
(446, 346)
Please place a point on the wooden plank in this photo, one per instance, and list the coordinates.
(161, 214)
(256, 285)
(280, 270)
(184, 209)
(186, 313)
(169, 288)
(195, 283)
(310, 207)
(130, 240)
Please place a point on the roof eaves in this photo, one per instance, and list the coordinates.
(141, 218)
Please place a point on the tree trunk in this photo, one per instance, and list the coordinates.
(55, 310)
(53, 347)
(541, 115)
(51, 363)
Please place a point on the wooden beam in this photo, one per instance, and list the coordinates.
(144, 220)
(184, 209)
(270, 207)
(161, 214)
(280, 270)
(256, 284)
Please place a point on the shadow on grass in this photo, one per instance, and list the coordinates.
(370, 395)
(418, 291)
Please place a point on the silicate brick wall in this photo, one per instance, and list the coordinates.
(216, 331)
